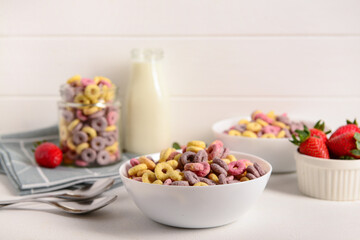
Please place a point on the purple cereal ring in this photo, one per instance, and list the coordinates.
(214, 150)
(296, 126)
(79, 137)
(68, 115)
(80, 115)
(68, 92)
(251, 169)
(187, 157)
(180, 183)
(207, 181)
(103, 158)
(71, 154)
(250, 176)
(222, 179)
(225, 153)
(134, 161)
(201, 156)
(112, 117)
(218, 169)
(240, 127)
(229, 178)
(98, 143)
(86, 81)
(88, 155)
(284, 119)
(236, 167)
(99, 124)
(97, 114)
(263, 117)
(222, 163)
(167, 181)
(259, 169)
(271, 129)
(109, 140)
(81, 163)
(191, 177)
(233, 181)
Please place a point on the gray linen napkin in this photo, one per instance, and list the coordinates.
(18, 163)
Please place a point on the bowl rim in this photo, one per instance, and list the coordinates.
(325, 162)
(216, 129)
(268, 174)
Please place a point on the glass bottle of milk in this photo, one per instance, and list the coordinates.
(147, 117)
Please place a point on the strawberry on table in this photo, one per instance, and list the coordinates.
(48, 155)
(344, 143)
(312, 145)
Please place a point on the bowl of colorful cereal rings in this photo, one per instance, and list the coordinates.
(264, 135)
(197, 186)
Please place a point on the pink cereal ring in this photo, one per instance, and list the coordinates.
(194, 167)
(263, 117)
(236, 167)
(172, 155)
(205, 171)
(167, 181)
(80, 115)
(103, 82)
(87, 81)
(112, 117)
(218, 142)
(139, 179)
(271, 129)
(215, 150)
(134, 162)
(81, 163)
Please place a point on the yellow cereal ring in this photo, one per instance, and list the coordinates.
(109, 96)
(271, 115)
(173, 163)
(104, 90)
(70, 144)
(112, 149)
(158, 182)
(231, 157)
(200, 144)
(200, 184)
(89, 131)
(234, 132)
(268, 135)
(110, 128)
(177, 157)
(281, 134)
(261, 122)
(92, 91)
(63, 132)
(150, 164)
(280, 124)
(163, 170)
(226, 160)
(176, 176)
(133, 171)
(97, 79)
(182, 176)
(141, 172)
(81, 147)
(80, 98)
(74, 79)
(73, 124)
(253, 126)
(165, 154)
(213, 177)
(194, 149)
(243, 121)
(90, 110)
(243, 179)
(148, 177)
(249, 134)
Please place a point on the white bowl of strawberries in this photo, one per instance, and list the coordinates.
(329, 168)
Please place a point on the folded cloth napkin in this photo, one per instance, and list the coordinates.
(18, 163)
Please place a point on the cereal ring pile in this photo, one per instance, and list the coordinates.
(264, 125)
(88, 122)
(195, 165)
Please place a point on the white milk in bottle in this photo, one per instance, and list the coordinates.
(147, 118)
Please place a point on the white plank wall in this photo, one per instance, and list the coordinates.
(222, 58)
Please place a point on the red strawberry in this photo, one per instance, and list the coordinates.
(349, 127)
(48, 155)
(318, 130)
(310, 145)
(342, 145)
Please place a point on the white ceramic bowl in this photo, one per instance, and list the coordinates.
(197, 207)
(329, 179)
(279, 152)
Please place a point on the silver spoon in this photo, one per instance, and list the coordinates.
(81, 207)
(86, 192)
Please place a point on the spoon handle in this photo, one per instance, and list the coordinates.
(32, 197)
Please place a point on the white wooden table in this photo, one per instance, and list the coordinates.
(282, 212)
